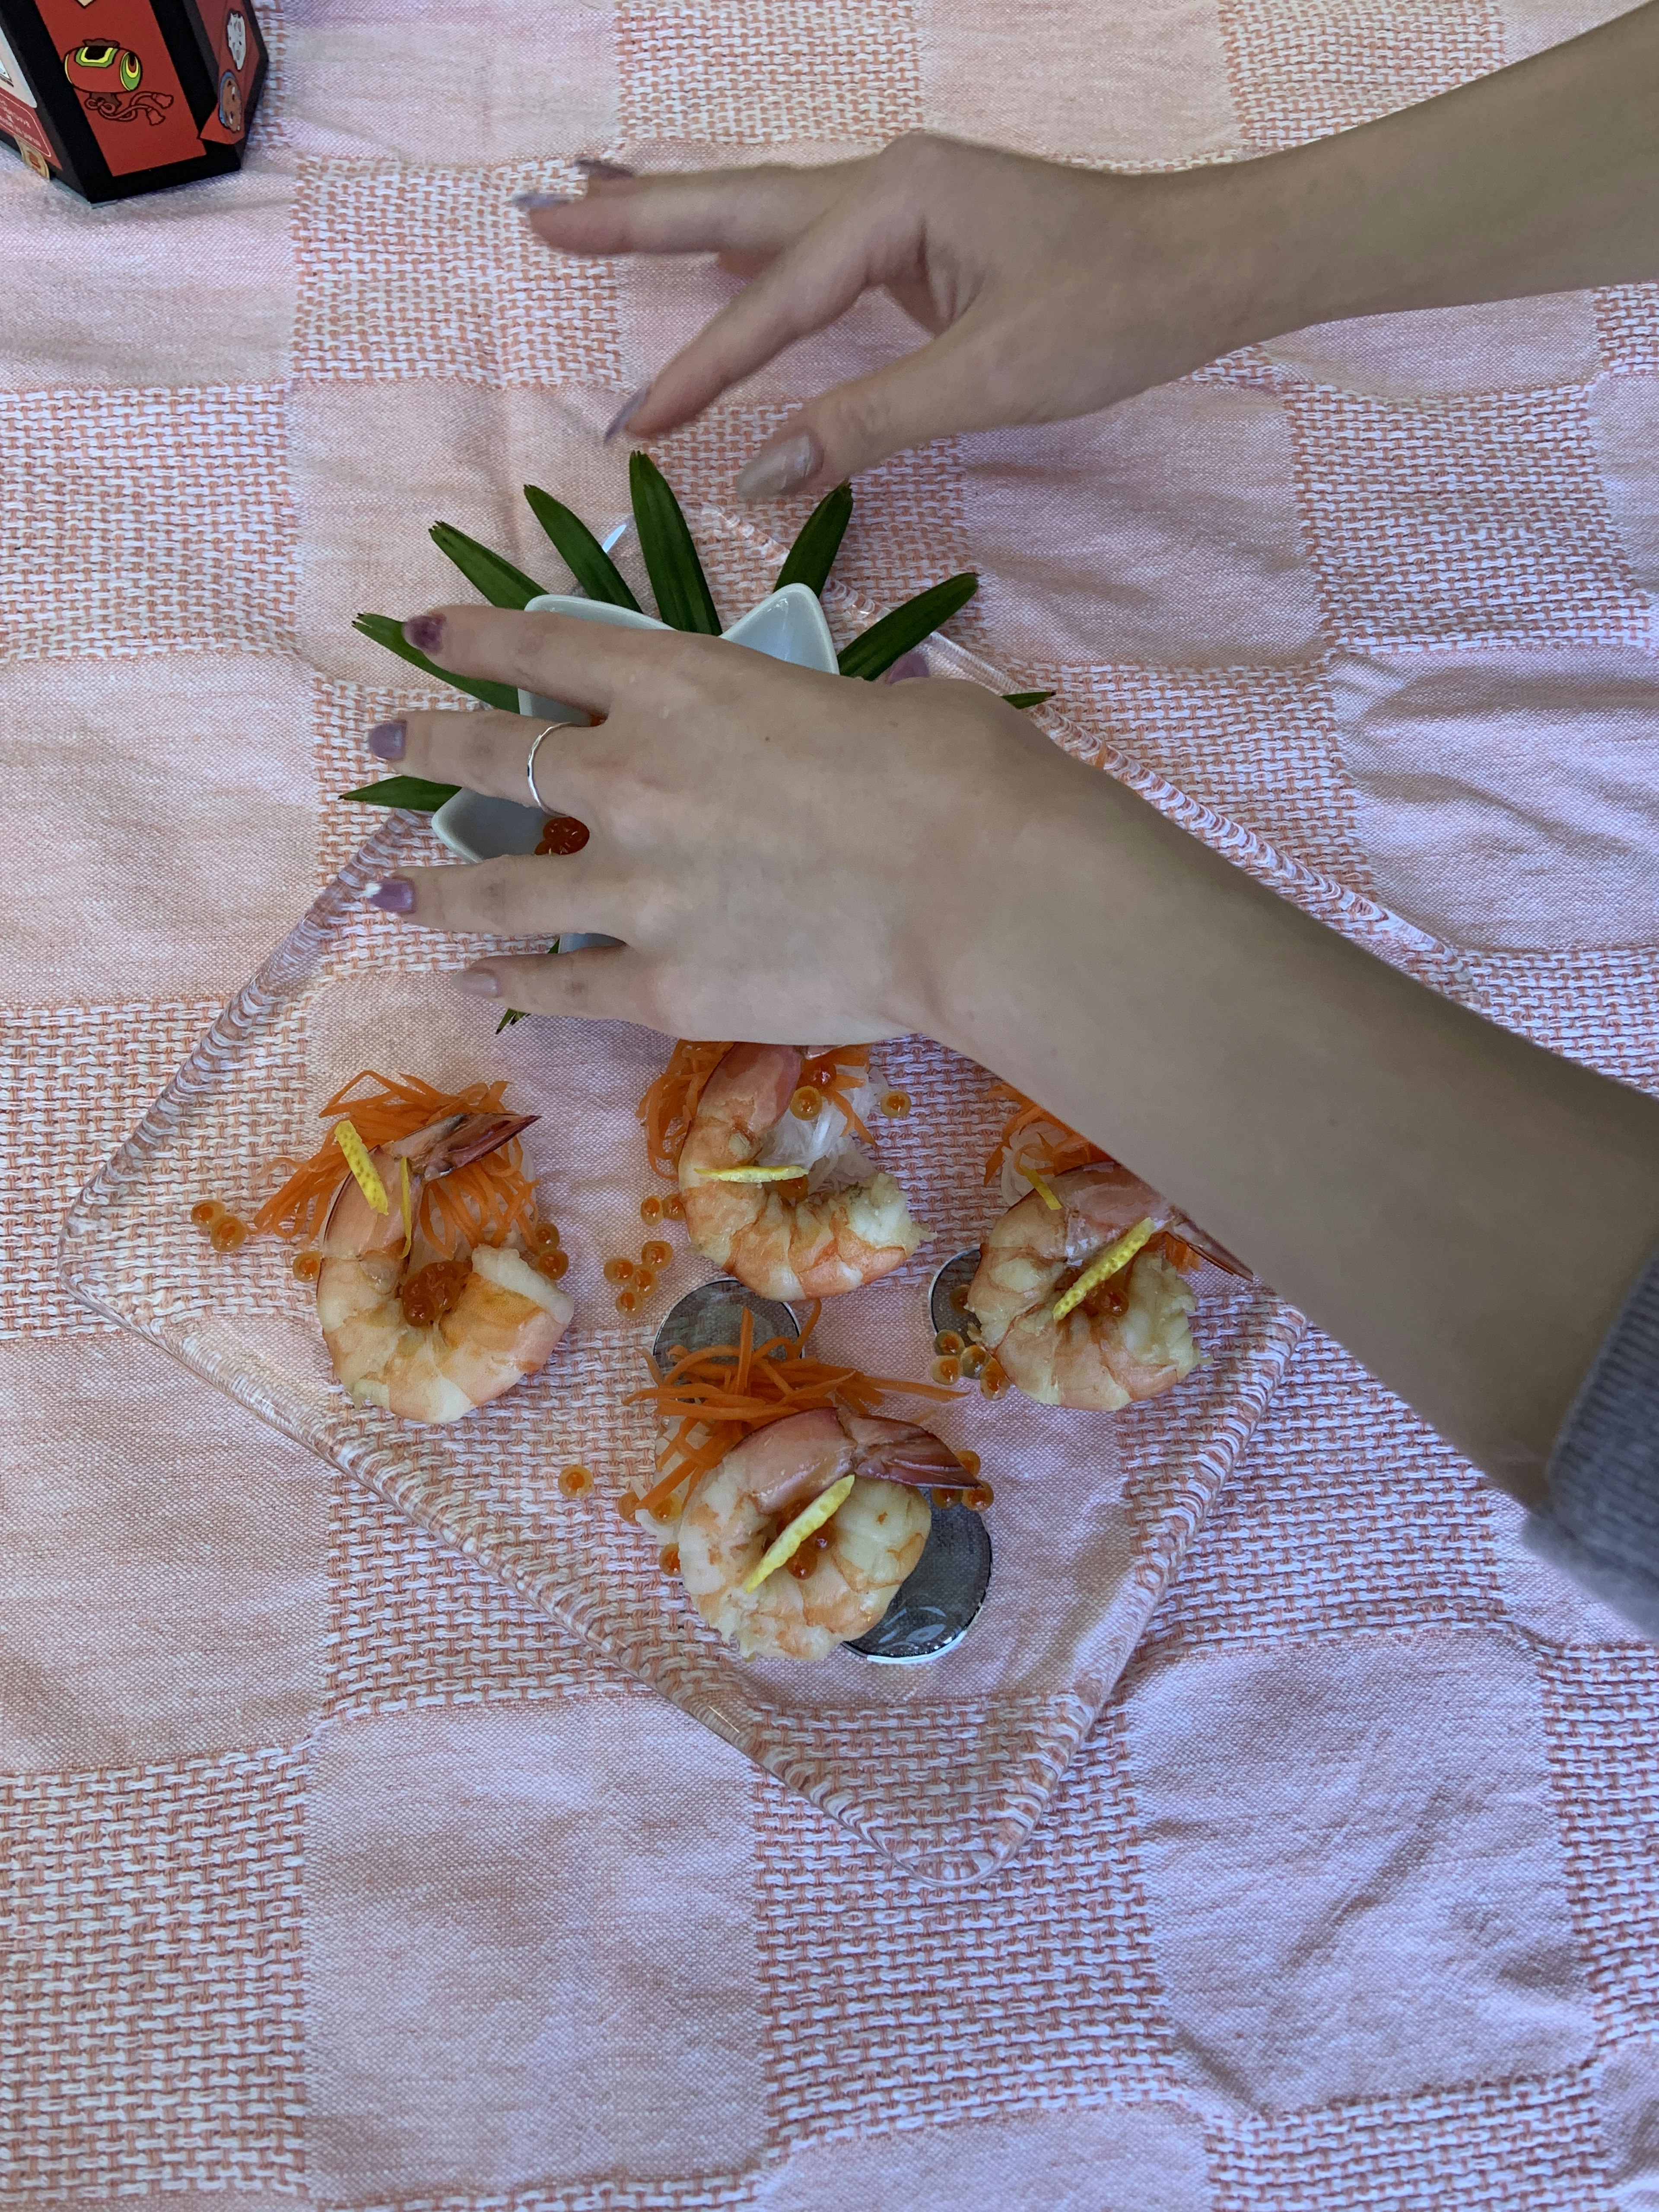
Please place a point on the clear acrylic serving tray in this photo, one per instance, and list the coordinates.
(945, 1767)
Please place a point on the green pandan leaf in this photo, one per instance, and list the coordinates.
(413, 791)
(385, 631)
(581, 550)
(1026, 698)
(501, 584)
(889, 640)
(812, 555)
(683, 599)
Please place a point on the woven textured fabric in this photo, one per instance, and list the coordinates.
(331, 1869)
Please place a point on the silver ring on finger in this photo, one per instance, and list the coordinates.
(536, 799)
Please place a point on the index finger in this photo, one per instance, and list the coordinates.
(697, 210)
(562, 657)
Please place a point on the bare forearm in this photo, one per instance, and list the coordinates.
(1463, 1210)
(1542, 178)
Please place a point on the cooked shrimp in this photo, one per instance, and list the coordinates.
(1128, 1338)
(424, 1336)
(842, 1579)
(811, 1246)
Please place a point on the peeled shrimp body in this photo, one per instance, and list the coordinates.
(866, 1551)
(1096, 1357)
(812, 1247)
(501, 1322)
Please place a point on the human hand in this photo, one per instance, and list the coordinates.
(1050, 291)
(786, 855)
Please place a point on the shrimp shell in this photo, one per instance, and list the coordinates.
(874, 1540)
(1091, 1360)
(803, 1247)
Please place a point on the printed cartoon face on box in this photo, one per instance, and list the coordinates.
(118, 62)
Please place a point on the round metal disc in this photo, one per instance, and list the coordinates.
(943, 1307)
(712, 1315)
(935, 1606)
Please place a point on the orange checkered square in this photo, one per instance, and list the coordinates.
(1478, 520)
(74, 1081)
(1531, 2144)
(736, 73)
(1386, 1525)
(1599, 1006)
(150, 2006)
(1627, 325)
(433, 272)
(171, 527)
(1303, 69)
(850, 1952)
(1257, 745)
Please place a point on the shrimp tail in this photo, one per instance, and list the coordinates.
(1216, 1254)
(898, 1451)
(468, 1138)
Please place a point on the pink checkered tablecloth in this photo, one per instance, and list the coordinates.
(327, 1870)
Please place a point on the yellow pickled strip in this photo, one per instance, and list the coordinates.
(805, 1524)
(357, 1159)
(1043, 1190)
(749, 1175)
(408, 1210)
(1114, 1257)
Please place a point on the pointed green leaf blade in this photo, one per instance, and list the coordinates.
(812, 555)
(683, 599)
(887, 641)
(1026, 698)
(501, 584)
(384, 630)
(581, 550)
(413, 791)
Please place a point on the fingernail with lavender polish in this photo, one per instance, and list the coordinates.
(395, 896)
(533, 203)
(601, 173)
(386, 740)
(424, 632)
(625, 414)
(780, 469)
(478, 983)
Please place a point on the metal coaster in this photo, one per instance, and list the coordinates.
(712, 1314)
(936, 1606)
(943, 1309)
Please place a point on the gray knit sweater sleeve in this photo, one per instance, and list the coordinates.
(1602, 1524)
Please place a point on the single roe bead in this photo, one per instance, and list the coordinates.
(656, 1255)
(806, 1105)
(227, 1234)
(619, 1271)
(205, 1212)
(628, 1302)
(575, 1481)
(895, 1104)
(651, 1209)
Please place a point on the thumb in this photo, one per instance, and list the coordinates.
(941, 387)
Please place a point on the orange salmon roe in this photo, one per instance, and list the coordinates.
(619, 1271)
(205, 1212)
(552, 1264)
(806, 1105)
(629, 1505)
(973, 1357)
(226, 1233)
(674, 1206)
(628, 1302)
(977, 1496)
(656, 1255)
(969, 1461)
(895, 1104)
(947, 1341)
(669, 1558)
(307, 1265)
(433, 1292)
(992, 1380)
(575, 1481)
(651, 1209)
(948, 1370)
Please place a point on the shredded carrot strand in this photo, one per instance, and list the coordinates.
(481, 1203)
(1055, 1149)
(709, 1401)
(669, 1106)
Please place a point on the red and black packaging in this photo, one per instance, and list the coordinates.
(116, 97)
